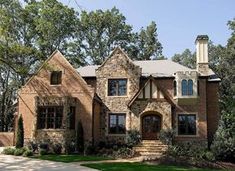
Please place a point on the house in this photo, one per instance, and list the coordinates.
(121, 95)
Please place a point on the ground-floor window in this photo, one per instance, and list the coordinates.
(186, 124)
(117, 123)
(50, 117)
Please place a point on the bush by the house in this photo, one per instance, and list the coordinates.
(43, 148)
(8, 151)
(19, 151)
(223, 145)
(124, 152)
(80, 138)
(167, 136)
(57, 148)
(42, 152)
(20, 133)
(28, 153)
(33, 146)
(133, 138)
(89, 149)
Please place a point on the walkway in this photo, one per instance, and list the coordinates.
(16, 163)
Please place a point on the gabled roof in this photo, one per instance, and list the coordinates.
(163, 91)
(159, 68)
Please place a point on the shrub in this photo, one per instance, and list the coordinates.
(20, 133)
(69, 147)
(89, 149)
(124, 152)
(80, 137)
(57, 148)
(43, 151)
(8, 151)
(28, 153)
(19, 151)
(133, 138)
(33, 146)
(223, 145)
(167, 136)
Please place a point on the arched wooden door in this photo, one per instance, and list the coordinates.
(151, 126)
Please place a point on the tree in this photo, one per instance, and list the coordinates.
(20, 133)
(147, 45)
(187, 58)
(99, 32)
(80, 137)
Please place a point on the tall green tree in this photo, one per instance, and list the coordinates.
(20, 133)
(147, 45)
(99, 32)
(187, 58)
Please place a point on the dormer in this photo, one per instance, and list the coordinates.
(186, 87)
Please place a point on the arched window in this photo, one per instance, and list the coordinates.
(175, 89)
(184, 87)
(190, 87)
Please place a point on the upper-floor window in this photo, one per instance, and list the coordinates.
(187, 87)
(56, 77)
(175, 88)
(117, 87)
(187, 124)
(50, 117)
(117, 123)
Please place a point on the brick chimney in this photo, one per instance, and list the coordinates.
(202, 54)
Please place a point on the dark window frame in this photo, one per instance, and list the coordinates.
(175, 87)
(50, 119)
(72, 116)
(187, 125)
(117, 87)
(56, 78)
(184, 87)
(117, 115)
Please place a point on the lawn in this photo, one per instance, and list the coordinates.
(70, 158)
(139, 167)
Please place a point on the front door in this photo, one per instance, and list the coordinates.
(151, 125)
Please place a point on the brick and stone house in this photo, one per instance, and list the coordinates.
(121, 95)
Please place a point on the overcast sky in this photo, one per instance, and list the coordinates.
(178, 21)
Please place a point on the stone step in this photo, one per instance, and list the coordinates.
(150, 148)
(150, 153)
(152, 145)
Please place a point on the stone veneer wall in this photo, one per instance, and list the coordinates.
(118, 65)
(140, 107)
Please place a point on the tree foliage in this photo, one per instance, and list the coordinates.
(20, 133)
(187, 58)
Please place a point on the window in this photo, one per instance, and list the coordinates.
(117, 123)
(71, 117)
(190, 87)
(56, 77)
(175, 89)
(184, 88)
(187, 87)
(186, 124)
(50, 117)
(198, 88)
(117, 87)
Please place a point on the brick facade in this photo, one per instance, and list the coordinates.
(93, 104)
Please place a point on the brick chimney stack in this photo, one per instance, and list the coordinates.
(202, 54)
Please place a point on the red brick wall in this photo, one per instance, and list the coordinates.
(72, 85)
(212, 108)
(6, 139)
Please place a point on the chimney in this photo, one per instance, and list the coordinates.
(202, 54)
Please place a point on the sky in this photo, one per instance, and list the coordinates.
(178, 21)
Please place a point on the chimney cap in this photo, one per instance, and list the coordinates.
(202, 37)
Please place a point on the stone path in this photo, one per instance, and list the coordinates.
(16, 163)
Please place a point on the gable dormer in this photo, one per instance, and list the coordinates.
(118, 76)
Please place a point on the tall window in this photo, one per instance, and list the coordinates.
(117, 87)
(117, 123)
(184, 87)
(190, 87)
(56, 77)
(187, 87)
(50, 117)
(187, 124)
(175, 88)
(71, 117)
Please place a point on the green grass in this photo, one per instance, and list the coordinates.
(70, 158)
(138, 167)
